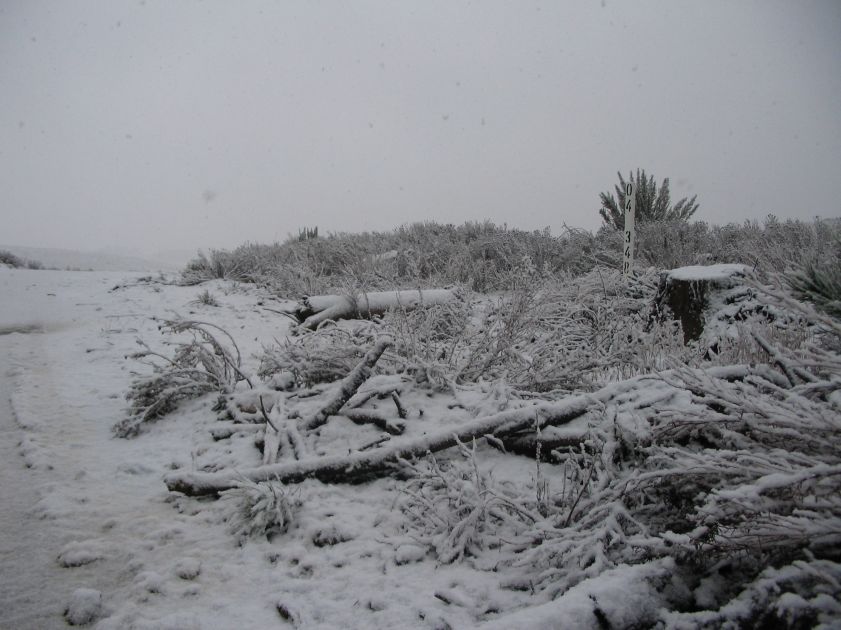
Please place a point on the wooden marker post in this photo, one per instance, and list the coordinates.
(630, 231)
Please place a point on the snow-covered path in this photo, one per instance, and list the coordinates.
(38, 452)
(81, 509)
(31, 592)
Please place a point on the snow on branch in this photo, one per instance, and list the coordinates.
(365, 465)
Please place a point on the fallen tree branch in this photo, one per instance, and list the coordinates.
(348, 387)
(362, 466)
(359, 467)
(401, 410)
(527, 443)
(793, 372)
(222, 430)
(271, 441)
(295, 440)
(315, 309)
(271, 445)
(377, 418)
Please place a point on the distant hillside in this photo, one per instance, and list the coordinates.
(96, 261)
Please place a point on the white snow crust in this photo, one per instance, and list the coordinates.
(708, 272)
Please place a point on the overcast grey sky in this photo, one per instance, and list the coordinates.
(152, 125)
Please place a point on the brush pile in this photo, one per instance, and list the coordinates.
(707, 473)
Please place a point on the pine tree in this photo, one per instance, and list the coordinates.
(652, 204)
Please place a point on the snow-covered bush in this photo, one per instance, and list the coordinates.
(730, 477)
(198, 366)
(259, 509)
(206, 267)
(803, 594)
(771, 246)
(457, 510)
(819, 282)
(577, 332)
(8, 258)
(483, 256)
(321, 356)
(569, 333)
(487, 257)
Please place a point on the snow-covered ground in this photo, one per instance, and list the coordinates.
(85, 510)
(90, 535)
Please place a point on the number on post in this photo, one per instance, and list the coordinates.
(630, 229)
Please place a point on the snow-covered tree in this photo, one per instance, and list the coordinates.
(652, 204)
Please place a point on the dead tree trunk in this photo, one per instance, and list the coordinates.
(315, 309)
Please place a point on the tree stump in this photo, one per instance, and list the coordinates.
(686, 293)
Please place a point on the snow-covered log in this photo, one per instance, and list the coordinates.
(377, 418)
(348, 386)
(222, 430)
(550, 439)
(359, 467)
(685, 293)
(363, 466)
(315, 309)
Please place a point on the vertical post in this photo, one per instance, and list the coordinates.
(630, 229)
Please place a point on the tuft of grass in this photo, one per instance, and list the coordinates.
(206, 298)
(260, 509)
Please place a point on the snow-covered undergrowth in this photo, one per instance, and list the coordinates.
(728, 474)
(488, 257)
(198, 366)
(544, 336)
(548, 456)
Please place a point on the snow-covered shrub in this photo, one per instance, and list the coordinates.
(483, 256)
(577, 332)
(200, 365)
(768, 247)
(321, 356)
(488, 257)
(819, 283)
(730, 476)
(428, 340)
(573, 332)
(672, 244)
(457, 510)
(204, 267)
(259, 509)
(803, 594)
(8, 258)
